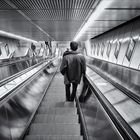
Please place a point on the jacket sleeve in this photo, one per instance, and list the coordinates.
(63, 66)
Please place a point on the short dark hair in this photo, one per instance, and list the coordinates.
(74, 45)
(33, 47)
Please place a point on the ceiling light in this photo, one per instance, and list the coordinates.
(96, 13)
(3, 33)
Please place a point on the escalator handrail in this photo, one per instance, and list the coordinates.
(118, 86)
(125, 130)
(10, 78)
(13, 62)
(21, 84)
(82, 120)
(2, 64)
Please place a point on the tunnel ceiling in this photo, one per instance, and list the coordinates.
(60, 20)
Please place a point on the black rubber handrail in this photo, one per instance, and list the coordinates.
(11, 62)
(130, 94)
(124, 129)
(129, 68)
(82, 120)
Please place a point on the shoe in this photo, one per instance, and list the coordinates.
(68, 100)
(81, 100)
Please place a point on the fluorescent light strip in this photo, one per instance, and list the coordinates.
(3, 33)
(123, 40)
(102, 5)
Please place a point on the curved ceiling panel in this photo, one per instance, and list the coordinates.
(61, 20)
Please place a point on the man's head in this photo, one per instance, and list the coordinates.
(33, 47)
(73, 46)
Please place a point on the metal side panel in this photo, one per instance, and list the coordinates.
(16, 109)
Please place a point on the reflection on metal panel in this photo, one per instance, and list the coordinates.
(125, 106)
(16, 111)
(108, 49)
(117, 49)
(5, 133)
(126, 77)
(102, 48)
(99, 125)
(130, 49)
(98, 49)
(135, 61)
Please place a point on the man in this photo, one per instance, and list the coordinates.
(73, 66)
(65, 53)
(33, 49)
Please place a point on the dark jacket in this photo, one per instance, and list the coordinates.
(65, 53)
(72, 67)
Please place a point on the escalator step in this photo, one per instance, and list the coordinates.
(57, 104)
(57, 110)
(54, 129)
(54, 98)
(45, 137)
(54, 95)
(56, 119)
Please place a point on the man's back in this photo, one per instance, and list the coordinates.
(72, 67)
(74, 64)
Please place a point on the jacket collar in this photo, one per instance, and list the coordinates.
(70, 52)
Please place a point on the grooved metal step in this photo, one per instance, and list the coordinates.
(57, 110)
(54, 129)
(57, 104)
(56, 119)
(44, 137)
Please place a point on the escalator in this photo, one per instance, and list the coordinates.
(38, 111)
(55, 118)
(108, 112)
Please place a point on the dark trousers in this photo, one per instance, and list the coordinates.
(71, 96)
